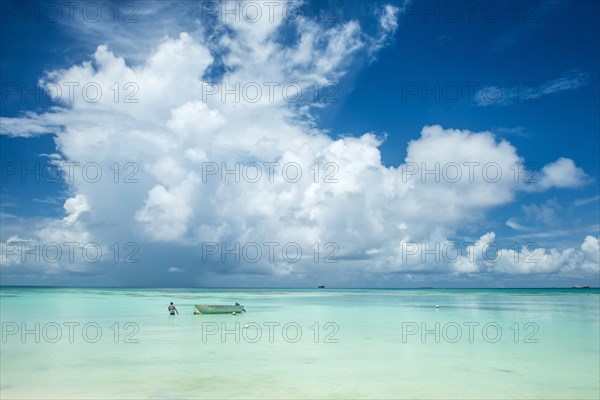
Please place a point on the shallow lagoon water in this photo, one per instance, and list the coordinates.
(328, 343)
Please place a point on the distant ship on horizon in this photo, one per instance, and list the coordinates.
(321, 286)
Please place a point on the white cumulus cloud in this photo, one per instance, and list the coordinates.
(188, 158)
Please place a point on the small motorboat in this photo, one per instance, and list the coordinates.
(580, 287)
(321, 286)
(219, 308)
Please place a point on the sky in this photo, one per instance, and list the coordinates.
(292, 144)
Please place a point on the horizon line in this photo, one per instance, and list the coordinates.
(293, 287)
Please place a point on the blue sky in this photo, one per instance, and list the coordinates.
(403, 87)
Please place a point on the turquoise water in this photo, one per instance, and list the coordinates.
(480, 344)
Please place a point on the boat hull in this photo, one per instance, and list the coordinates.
(218, 309)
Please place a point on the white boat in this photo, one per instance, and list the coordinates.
(219, 308)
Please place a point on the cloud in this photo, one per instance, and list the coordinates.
(388, 23)
(513, 224)
(514, 131)
(547, 219)
(591, 248)
(570, 80)
(535, 260)
(74, 207)
(562, 173)
(29, 125)
(581, 202)
(211, 164)
(529, 92)
(486, 256)
(389, 18)
(545, 214)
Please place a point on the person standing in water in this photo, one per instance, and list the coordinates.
(172, 309)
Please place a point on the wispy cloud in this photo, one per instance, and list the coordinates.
(514, 131)
(529, 92)
(556, 233)
(29, 125)
(513, 224)
(53, 201)
(570, 80)
(581, 202)
(388, 24)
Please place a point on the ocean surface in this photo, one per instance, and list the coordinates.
(319, 343)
